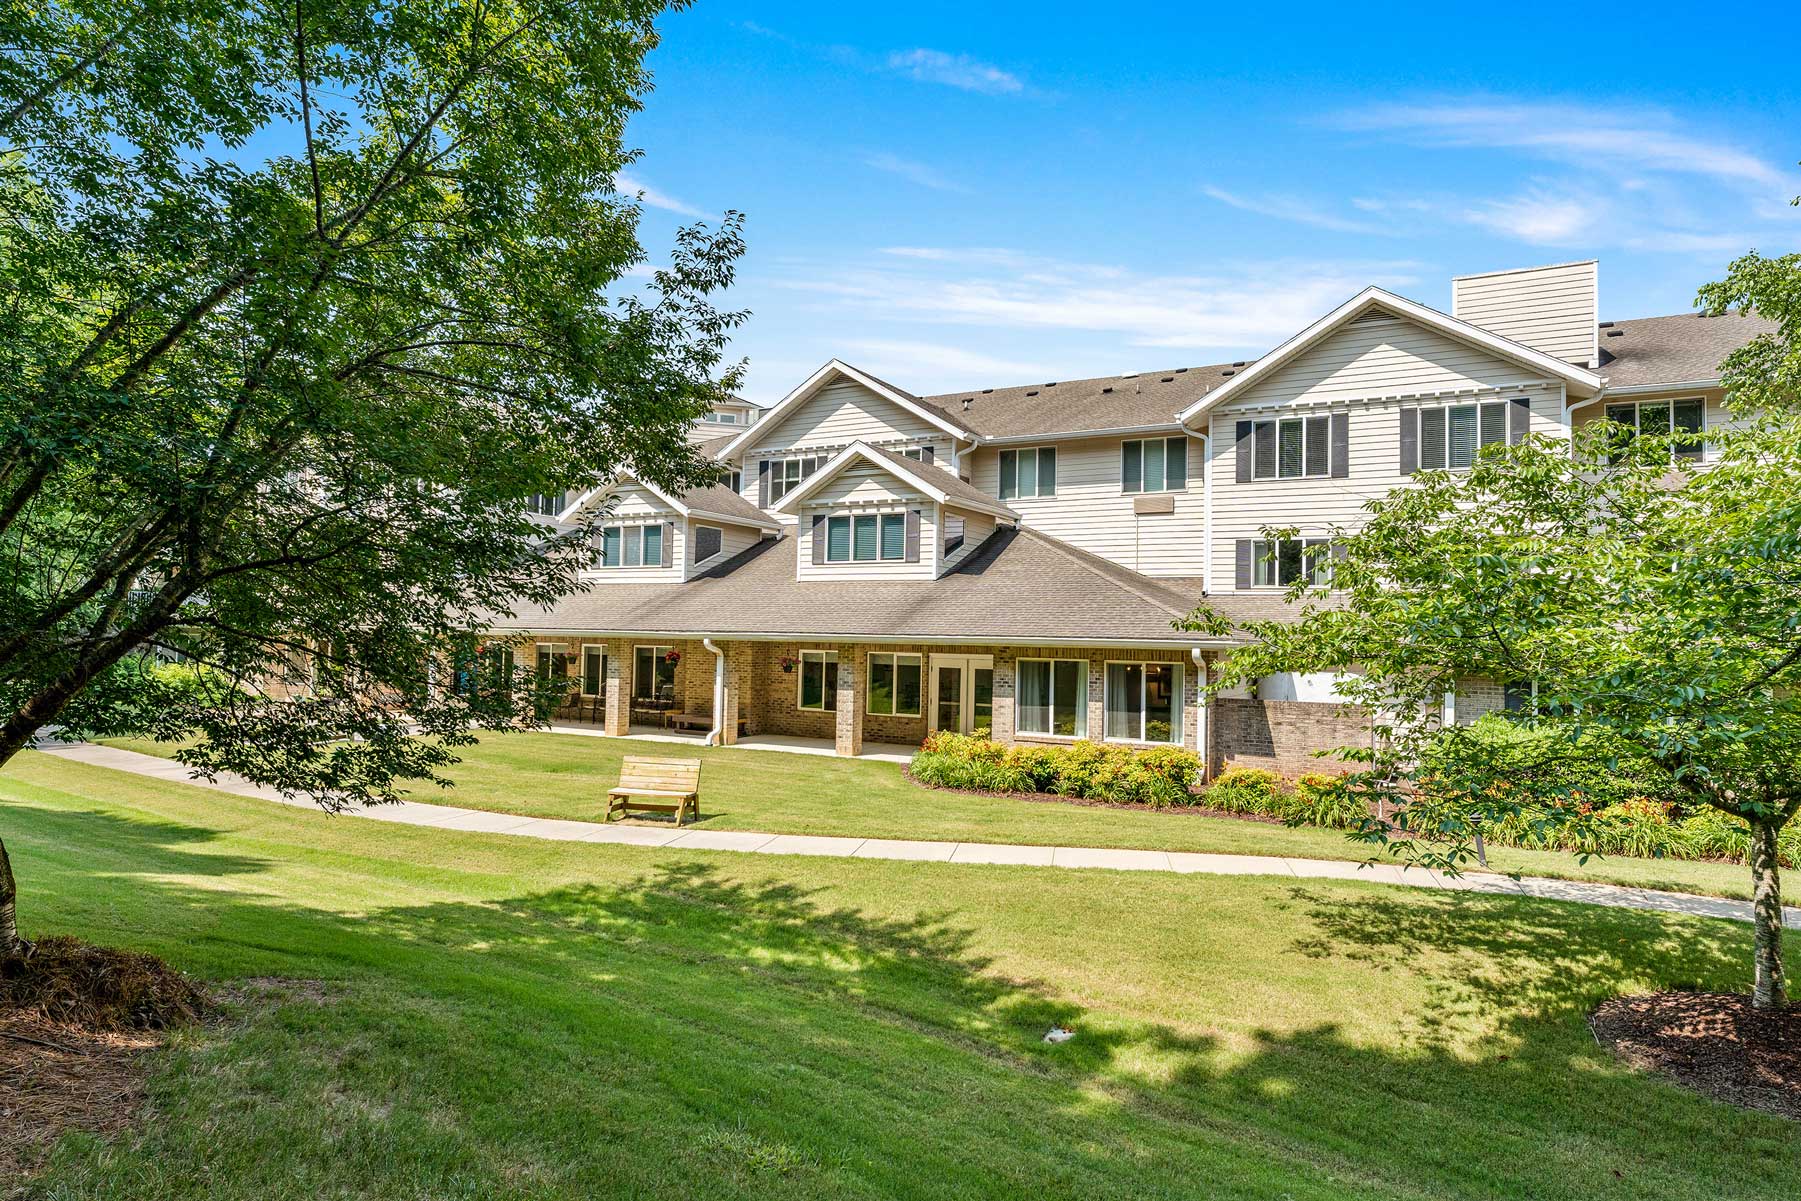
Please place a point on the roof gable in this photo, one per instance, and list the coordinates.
(832, 372)
(1579, 380)
(713, 502)
(933, 482)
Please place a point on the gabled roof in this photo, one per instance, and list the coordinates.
(1139, 402)
(837, 369)
(932, 480)
(1652, 352)
(711, 502)
(1579, 379)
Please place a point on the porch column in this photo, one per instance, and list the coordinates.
(1004, 723)
(850, 701)
(731, 699)
(618, 716)
(1097, 693)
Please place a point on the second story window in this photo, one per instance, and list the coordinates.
(1292, 447)
(1154, 465)
(1030, 472)
(547, 503)
(866, 538)
(631, 546)
(785, 475)
(1451, 437)
(1660, 418)
(723, 417)
(1263, 563)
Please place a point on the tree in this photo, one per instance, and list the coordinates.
(302, 301)
(1653, 603)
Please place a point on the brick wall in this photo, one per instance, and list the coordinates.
(1282, 735)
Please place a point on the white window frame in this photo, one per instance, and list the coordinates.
(547, 504)
(828, 697)
(1695, 452)
(779, 470)
(656, 657)
(895, 658)
(1125, 485)
(598, 649)
(626, 528)
(1268, 561)
(1482, 409)
(880, 517)
(1081, 699)
(719, 529)
(1310, 465)
(1178, 676)
(1012, 491)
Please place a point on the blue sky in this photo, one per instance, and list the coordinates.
(986, 194)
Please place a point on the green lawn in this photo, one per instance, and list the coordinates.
(508, 1018)
(567, 775)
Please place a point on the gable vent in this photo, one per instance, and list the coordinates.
(1372, 316)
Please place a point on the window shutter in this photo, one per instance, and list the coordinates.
(912, 535)
(926, 453)
(1247, 557)
(819, 538)
(1410, 441)
(1341, 445)
(1519, 419)
(763, 484)
(1245, 430)
(668, 543)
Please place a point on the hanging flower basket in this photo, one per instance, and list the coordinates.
(673, 657)
(788, 665)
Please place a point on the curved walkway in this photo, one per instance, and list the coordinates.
(446, 817)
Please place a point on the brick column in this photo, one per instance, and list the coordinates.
(1097, 696)
(850, 701)
(1005, 693)
(732, 700)
(619, 688)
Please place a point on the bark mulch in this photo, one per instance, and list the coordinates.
(75, 1023)
(1714, 1043)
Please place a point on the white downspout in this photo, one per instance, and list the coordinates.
(716, 735)
(1200, 711)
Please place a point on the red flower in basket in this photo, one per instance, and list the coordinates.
(673, 657)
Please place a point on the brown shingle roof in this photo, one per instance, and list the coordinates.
(723, 502)
(1017, 587)
(1108, 402)
(1673, 350)
(950, 485)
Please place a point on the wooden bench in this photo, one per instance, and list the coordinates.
(657, 786)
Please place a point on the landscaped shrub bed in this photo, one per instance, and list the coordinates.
(1159, 777)
(1168, 777)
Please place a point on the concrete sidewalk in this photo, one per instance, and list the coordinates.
(446, 817)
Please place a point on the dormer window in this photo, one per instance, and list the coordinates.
(866, 538)
(631, 546)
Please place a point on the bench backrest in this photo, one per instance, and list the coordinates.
(660, 775)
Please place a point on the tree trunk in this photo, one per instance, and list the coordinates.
(1770, 990)
(10, 942)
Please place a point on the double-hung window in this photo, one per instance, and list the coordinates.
(1660, 418)
(1291, 447)
(785, 475)
(1451, 436)
(631, 546)
(1154, 465)
(548, 504)
(1144, 702)
(1030, 472)
(1053, 697)
(893, 685)
(866, 538)
(818, 681)
(1288, 561)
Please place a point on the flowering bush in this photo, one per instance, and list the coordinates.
(1159, 777)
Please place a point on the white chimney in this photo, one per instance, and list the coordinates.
(1553, 309)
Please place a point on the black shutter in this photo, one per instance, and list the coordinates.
(819, 538)
(1410, 441)
(1341, 445)
(926, 452)
(763, 483)
(1247, 556)
(1519, 419)
(1245, 430)
(912, 535)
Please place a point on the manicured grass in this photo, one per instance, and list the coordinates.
(567, 776)
(508, 1018)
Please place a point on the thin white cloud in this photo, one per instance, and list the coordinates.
(1291, 208)
(1541, 218)
(914, 359)
(914, 172)
(1243, 307)
(956, 71)
(1620, 140)
(630, 185)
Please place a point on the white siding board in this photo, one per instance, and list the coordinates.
(925, 569)
(1547, 308)
(838, 414)
(1391, 357)
(733, 540)
(633, 504)
(1091, 512)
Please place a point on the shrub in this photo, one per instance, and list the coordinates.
(1249, 790)
(1322, 799)
(1159, 777)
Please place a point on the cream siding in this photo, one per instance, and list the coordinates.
(837, 415)
(1329, 378)
(635, 505)
(867, 488)
(1092, 512)
(1547, 308)
(975, 529)
(734, 540)
(1714, 415)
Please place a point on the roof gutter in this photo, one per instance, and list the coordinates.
(1173, 427)
(812, 636)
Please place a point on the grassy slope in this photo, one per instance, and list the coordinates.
(508, 1018)
(567, 775)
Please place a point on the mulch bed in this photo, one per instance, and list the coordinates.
(75, 1023)
(1714, 1043)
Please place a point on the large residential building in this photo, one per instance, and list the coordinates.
(883, 564)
